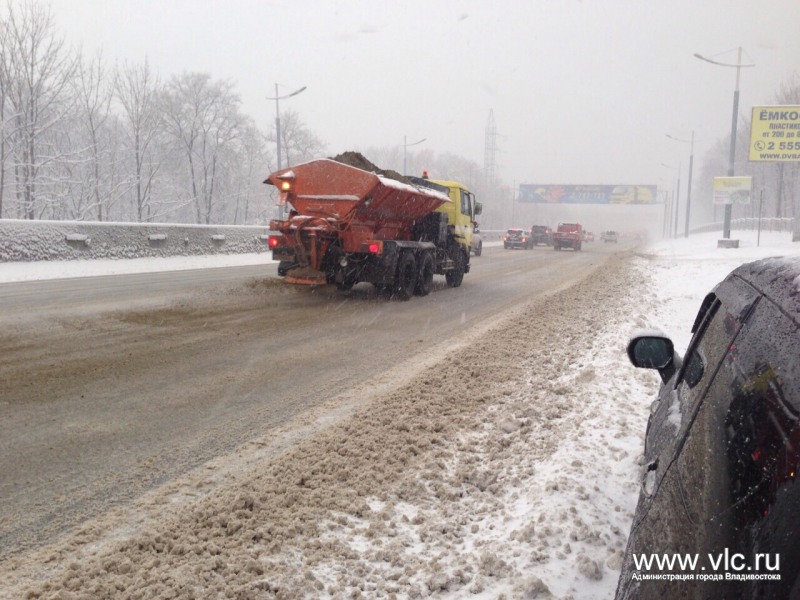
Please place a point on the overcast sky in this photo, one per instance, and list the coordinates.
(583, 91)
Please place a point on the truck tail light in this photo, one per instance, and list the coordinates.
(274, 241)
(375, 247)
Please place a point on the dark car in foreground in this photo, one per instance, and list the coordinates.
(718, 514)
(517, 238)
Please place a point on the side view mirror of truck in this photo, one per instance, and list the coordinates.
(653, 350)
(478, 208)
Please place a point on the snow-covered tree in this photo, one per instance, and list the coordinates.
(36, 69)
(202, 117)
(298, 142)
(137, 91)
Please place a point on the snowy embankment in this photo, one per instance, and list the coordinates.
(508, 470)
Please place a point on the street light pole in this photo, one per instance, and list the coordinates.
(405, 146)
(689, 188)
(673, 230)
(689, 185)
(677, 201)
(278, 125)
(726, 228)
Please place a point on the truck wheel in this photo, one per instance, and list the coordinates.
(425, 276)
(455, 275)
(479, 249)
(406, 279)
(345, 285)
(578, 246)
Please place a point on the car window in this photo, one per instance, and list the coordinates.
(720, 319)
(466, 203)
(707, 346)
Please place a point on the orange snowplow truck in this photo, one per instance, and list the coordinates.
(348, 225)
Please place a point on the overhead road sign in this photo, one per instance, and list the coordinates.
(538, 193)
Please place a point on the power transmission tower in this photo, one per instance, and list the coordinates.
(490, 152)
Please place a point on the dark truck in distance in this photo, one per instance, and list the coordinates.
(568, 235)
(541, 235)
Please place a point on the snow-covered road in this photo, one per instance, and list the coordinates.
(521, 487)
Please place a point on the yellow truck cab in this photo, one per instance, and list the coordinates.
(461, 210)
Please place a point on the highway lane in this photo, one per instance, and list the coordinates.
(110, 386)
(20, 298)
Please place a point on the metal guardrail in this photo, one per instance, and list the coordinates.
(24, 241)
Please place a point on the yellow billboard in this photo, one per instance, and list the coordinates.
(775, 134)
(732, 190)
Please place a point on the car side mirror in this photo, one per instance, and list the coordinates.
(653, 350)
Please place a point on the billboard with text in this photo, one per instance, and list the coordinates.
(587, 194)
(732, 190)
(775, 134)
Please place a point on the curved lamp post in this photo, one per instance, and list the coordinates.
(726, 228)
(689, 186)
(278, 116)
(406, 145)
(278, 124)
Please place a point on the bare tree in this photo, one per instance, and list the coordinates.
(787, 175)
(251, 161)
(5, 119)
(137, 90)
(298, 142)
(37, 69)
(203, 118)
(93, 95)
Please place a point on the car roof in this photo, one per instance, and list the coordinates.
(777, 278)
